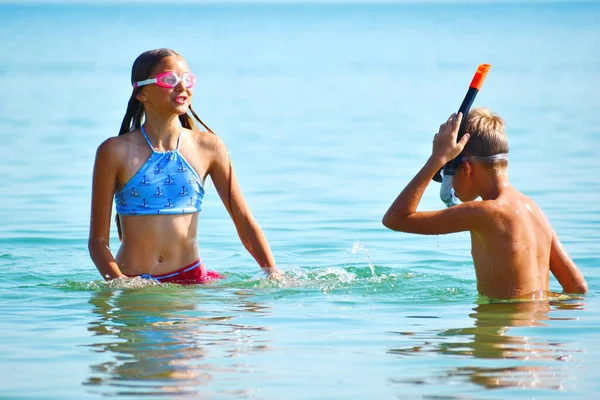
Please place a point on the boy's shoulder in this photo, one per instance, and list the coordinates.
(516, 199)
(509, 209)
(481, 212)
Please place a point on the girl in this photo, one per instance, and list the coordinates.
(155, 171)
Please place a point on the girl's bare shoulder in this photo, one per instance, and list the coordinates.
(120, 142)
(207, 141)
(120, 147)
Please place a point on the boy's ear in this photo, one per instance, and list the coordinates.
(467, 169)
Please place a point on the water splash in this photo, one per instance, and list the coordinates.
(304, 281)
(99, 285)
(357, 246)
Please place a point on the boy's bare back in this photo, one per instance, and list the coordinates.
(511, 249)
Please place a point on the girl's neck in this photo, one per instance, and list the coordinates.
(162, 132)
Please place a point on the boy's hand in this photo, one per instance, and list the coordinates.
(445, 146)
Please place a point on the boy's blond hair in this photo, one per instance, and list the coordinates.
(487, 133)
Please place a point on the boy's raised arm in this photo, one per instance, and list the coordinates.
(408, 200)
(402, 214)
(564, 269)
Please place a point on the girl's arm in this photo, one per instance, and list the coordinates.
(252, 237)
(103, 189)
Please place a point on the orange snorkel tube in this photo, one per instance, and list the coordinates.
(474, 88)
(446, 174)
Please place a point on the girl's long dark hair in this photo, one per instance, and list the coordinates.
(141, 70)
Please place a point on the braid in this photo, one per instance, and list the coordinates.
(199, 120)
(187, 122)
(137, 117)
(132, 115)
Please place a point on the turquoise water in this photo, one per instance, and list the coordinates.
(327, 112)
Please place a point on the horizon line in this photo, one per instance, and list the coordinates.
(291, 2)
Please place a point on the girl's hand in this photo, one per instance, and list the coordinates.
(445, 146)
(273, 273)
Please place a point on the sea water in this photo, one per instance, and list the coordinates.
(327, 111)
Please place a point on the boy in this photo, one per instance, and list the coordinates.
(512, 243)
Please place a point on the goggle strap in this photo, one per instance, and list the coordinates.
(144, 82)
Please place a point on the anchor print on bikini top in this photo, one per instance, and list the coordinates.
(165, 184)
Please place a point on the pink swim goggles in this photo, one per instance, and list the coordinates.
(169, 80)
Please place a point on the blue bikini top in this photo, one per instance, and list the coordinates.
(165, 184)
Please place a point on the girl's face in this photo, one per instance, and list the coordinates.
(168, 100)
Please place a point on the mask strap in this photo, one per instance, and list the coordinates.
(495, 157)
